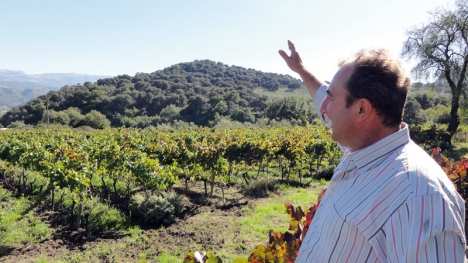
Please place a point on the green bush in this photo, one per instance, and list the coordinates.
(430, 136)
(102, 218)
(325, 173)
(19, 125)
(260, 187)
(156, 208)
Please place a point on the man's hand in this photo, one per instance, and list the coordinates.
(295, 64)
(294, 61)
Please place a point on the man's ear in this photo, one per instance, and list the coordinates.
(364, 109)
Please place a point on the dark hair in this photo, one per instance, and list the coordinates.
(379, 78)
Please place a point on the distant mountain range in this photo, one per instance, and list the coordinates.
(18, 87)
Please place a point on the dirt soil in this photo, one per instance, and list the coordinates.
(206, 224)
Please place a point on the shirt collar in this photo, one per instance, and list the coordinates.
(366, 156)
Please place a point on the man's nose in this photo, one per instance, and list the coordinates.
(323, 107)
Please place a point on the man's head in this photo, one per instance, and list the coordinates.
(365, 99)
(379, 78)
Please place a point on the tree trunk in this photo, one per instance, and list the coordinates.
(206, 189)
(212, 184)
(454, 118)
(104, 188)
(186, 185)
(53, 199)
(78, 216)
(456, 92)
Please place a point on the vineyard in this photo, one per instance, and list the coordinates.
(112, 179)
(112, 165)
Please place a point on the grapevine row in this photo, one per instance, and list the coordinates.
(113, 163)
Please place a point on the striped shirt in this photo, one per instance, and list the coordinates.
(389, 202)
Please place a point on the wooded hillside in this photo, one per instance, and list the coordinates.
(200, 92)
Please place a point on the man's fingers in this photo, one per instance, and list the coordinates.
(291, 46)
(283, 54)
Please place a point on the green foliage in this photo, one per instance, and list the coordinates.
(243, 115)
(55, 117)
(439, 114)
(260, 187)
(412, 112)
(285, 247)
(156, 208)
(18, 225)
(325, 173)
(290, 108)
(19, 125)
(170, 113)
(440, 47)
(429, 100)
(191, 92)
(429, 136)
(96, 120)
(282, 246)
(112, 164)
(102, 217)
(75, 118)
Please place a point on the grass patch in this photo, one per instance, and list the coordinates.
(18, 225)
(166, 257)
(304, 197)
(259, 220)
(136, 238)
(459, 149)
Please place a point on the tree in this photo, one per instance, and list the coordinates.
(96, 120)
(243, 115)
(290, 108)
(441, 48)
(74, 116)
(170, 113)
(412, 112)
(57, 117)
(200, 89)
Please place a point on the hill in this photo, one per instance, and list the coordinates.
(202, 92)
(17, 87)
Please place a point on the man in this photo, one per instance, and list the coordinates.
(388, 200)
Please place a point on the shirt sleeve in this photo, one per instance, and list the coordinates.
(425, 229)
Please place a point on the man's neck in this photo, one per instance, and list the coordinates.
(371, 135)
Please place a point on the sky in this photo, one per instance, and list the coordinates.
(103, 37)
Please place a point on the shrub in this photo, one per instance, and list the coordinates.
(19, 125)
(430, 135)
(325, 173)
(260, 187)
(102, 218)
(156, 208)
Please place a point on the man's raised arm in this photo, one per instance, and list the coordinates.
(294, 62)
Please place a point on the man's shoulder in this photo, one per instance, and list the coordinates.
(425, 176)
